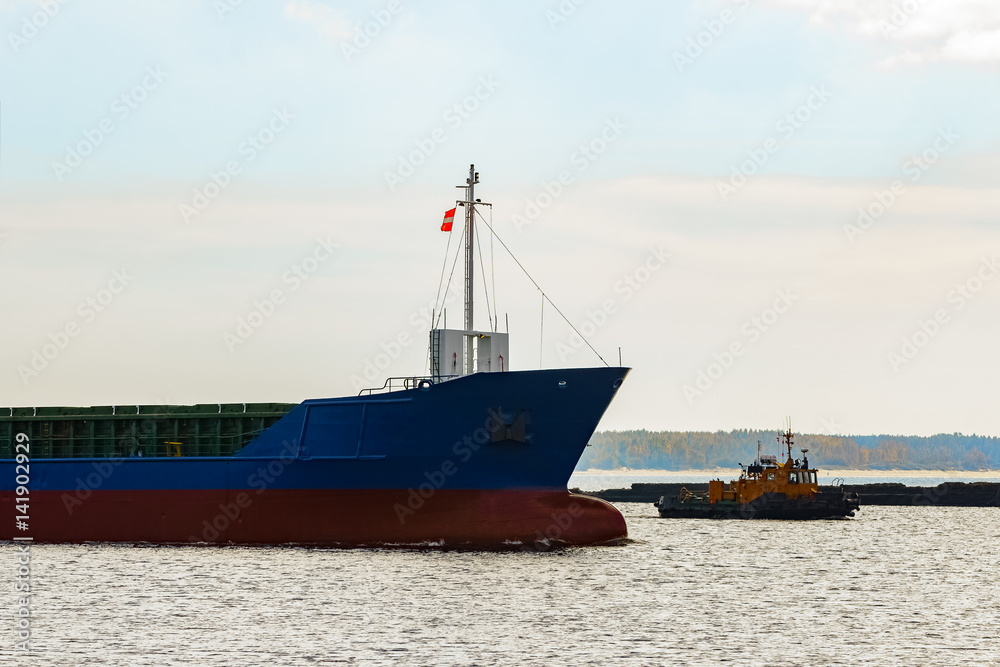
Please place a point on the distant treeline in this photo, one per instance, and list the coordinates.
(670, 450)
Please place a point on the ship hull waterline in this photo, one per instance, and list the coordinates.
(476, 462)
(346, 518)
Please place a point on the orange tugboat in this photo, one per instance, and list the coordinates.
(765, 490)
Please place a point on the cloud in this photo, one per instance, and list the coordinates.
(327, 21)
(960, 31)
(193, 283)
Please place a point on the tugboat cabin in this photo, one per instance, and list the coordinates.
(794, 479)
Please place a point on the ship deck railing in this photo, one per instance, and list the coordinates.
(685, 494)
(406, 382)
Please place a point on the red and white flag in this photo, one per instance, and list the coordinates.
(449, 218)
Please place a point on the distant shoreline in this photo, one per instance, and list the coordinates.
(841, 472)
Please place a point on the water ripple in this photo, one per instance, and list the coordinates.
(895, 586)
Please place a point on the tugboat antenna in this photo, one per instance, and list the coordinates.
(787, 437)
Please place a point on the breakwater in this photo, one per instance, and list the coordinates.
(949, 494)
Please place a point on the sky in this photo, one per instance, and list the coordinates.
(771, 207)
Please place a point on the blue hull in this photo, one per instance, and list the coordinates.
(505, 443)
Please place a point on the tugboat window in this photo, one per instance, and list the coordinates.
(770, 476)
(793, 478)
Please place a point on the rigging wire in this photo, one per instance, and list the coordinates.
(544, 295)
(486, 287)
(443, 265)
(450, 276)
(493, 276)
(541, 330)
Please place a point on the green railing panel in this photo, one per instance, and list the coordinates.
(138, 430)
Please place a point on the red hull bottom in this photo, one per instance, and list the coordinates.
(346, 518)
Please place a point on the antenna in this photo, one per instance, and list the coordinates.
(787, 437)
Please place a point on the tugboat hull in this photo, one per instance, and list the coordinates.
(765, 490)
(767, 506)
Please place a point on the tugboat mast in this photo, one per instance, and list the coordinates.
(786, 437)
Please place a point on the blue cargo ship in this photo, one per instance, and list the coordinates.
(472, 455)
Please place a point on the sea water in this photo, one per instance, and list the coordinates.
(620, 479)
(893, 586)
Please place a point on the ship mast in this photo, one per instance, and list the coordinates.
(470, 220)
(457, 352)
